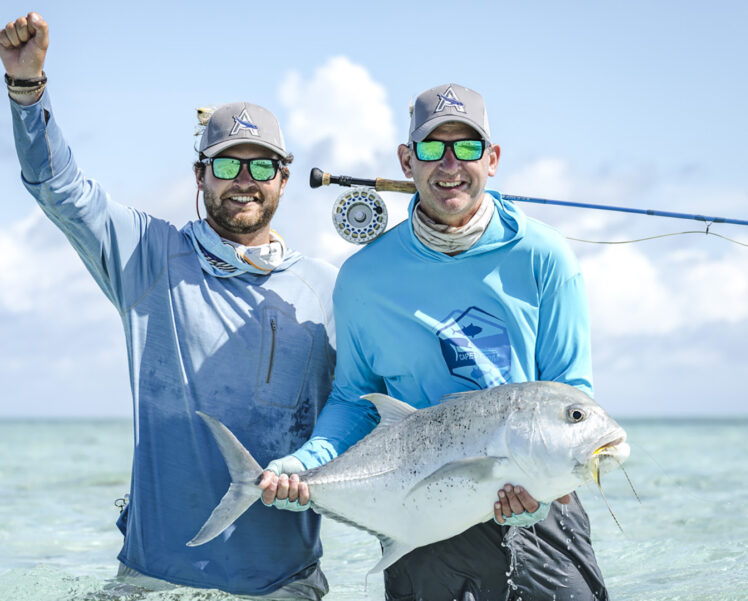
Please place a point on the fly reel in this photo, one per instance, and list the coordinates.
(359, 215)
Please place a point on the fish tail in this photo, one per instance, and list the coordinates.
(243, 490)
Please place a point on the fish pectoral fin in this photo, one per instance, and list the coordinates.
(392, 550)
(390, 410)
(472, 469)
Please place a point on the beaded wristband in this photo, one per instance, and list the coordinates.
(22, 91)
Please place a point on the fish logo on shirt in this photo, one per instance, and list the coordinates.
(476, 347)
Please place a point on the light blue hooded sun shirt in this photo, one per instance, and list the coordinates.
(418, 324)
(255, 351)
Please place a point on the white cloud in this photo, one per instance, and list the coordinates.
(718, 286)
(627, 295)
(39, 271)
(668, 315)
(175, 201)
(341, 120)
(555, 178)
(639, 291)
(63, 350)
(545, 178)
(651, 288)
(15, 285)
(340, 104)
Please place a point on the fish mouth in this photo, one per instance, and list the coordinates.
(605, 458)
(609, 453)
(608, 447)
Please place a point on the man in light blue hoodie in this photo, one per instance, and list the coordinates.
(466, 294)
(219, 316)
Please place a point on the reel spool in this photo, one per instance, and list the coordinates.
(359, 215)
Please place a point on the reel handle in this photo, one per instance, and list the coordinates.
(318, 178)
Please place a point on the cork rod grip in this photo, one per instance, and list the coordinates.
(394, 185)
(318, 178)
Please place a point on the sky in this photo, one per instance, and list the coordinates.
(637, 104)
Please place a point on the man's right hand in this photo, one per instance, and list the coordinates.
(282, 490)
(23, 46)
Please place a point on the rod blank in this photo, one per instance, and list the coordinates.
(318, 178)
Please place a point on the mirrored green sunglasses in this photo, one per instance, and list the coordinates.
(261, 170)
(464, 150)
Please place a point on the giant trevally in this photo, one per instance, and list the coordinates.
(426, 475)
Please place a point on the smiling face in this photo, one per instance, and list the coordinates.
(241, 209)
(450, 191)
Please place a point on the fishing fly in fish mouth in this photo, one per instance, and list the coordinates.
(447, 458)
(603, 455)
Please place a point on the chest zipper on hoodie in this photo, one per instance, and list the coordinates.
(273, 330)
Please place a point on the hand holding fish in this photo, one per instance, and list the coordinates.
(281, 487)
(515, 500)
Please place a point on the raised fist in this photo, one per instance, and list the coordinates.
(23, 46)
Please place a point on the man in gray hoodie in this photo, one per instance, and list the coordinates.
(219, 316)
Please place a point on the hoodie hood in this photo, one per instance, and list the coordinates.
(219, 259)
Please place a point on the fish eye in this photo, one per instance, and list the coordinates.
(576, 414)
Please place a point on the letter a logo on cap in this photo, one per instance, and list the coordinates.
(244, 121)
(449, 100)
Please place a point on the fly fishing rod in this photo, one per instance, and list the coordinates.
(361, 206)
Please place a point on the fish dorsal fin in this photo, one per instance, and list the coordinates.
(390, 410)
(473, 469)
(392, 550)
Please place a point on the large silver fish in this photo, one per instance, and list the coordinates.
(426, 475)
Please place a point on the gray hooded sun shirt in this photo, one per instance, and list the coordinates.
(255, 351)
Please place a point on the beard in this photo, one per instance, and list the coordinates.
(243, 222)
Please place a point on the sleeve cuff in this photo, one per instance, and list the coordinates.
(315, 452)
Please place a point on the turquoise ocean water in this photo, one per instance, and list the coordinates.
(686, 540)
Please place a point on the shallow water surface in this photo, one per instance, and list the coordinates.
(686, 541)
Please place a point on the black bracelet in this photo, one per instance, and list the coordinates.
(26, 83)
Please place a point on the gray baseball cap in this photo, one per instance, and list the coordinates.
(445, 103)
(242, 123)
